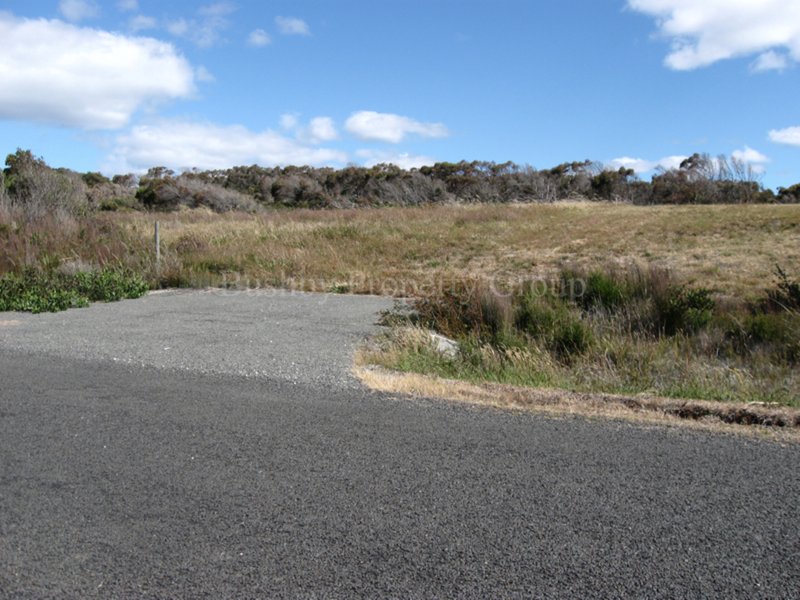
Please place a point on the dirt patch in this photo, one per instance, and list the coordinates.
(757, 419)
(8, 323)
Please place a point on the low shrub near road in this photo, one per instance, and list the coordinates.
(40, 290)
(611, 331)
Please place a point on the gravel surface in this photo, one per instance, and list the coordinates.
(292, 336)
(119, 480)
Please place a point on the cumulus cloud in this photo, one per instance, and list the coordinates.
(183, 145)
(205, 30)
(78, 10)
(321, 129)
(128, 5)
(292, 26)
(642, 165)
(790, 136)
(703, 33)
(750, 156)
(753, 159)
(403, 160)
(387, 127)
(258, 38)
(84, 77)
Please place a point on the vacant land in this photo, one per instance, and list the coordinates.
(404, 251)
(730, 251)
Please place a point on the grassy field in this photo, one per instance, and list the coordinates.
(405, 251)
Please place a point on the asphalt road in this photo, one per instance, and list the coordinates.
(232, 466)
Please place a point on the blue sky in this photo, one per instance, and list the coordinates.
(121, 86)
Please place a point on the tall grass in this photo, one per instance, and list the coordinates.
(408, 251)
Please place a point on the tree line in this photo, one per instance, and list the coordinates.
(29, 184)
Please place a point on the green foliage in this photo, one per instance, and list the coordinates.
(570, 338)
(560, 317)
(33, 291)
(628, 332)
(119, 203)
(683, 310)
(93, 179)
(46, 290)
(109, 285)
(790, 194)
(603, 290)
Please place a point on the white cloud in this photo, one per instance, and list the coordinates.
(141, 22)
(78, 10)
(402, 159)
(387, 127)
(790, 136)
(321, 129)
(207, 30)
(184, 145)
(292, 26)
(258, 38)
(750, 156)
(128, 5)
(641, 165)
(770, 61)
(84, 77)
(704, 32)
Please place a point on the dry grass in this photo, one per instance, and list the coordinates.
(405, 251)
(642, 410)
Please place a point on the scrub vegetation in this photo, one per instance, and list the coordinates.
(622, 331)
(572, 277)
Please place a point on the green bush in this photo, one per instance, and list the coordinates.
(777, 333)
(36, 290)
(603, 290)
(537, 315)
(570, 338)
(682, 310)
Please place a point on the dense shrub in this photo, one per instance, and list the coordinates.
(168, 193)
(36, 190)
(682, 309)
(48, 290)
(560, 316)
(700, 179)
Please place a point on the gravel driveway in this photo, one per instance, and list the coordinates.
(292, 336)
